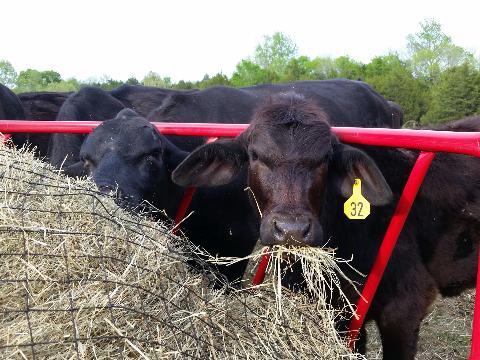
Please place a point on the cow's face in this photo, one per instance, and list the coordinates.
(128, 155)
(292, 157)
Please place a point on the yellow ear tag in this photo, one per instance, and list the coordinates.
(357, 207)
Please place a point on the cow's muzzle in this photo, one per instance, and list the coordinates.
(290, 230)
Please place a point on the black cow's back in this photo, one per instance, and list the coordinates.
(348, 102)
(143, 99)
(89, 103)
(39, 106)
(10, 106)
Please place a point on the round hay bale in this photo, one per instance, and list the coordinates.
(82, 278)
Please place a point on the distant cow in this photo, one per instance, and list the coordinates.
(354, 103)
(222, 104)
(128, 155)
(397, 115)
(91, 103)
(39, 106)
(301, 175)
(10, 106)
(143, 99)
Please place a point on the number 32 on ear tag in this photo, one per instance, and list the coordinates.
(357, 207)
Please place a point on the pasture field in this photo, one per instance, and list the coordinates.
(444, 334)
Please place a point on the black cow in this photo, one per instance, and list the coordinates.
(397, 115)
(348, 99)
(128, 155)
(143, 99)
(91, 103)
(353, 103)
(39, 106)
(301, 176)
(10, 106)
(222, 104)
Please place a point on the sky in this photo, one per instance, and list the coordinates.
(187, 39)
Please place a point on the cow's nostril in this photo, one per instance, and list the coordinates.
(277, 227)
(278, 232)
(293, 230)
(306, 230)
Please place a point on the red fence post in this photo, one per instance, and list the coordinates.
(262, 268)
(475, 350)
(183, 207)
(390, 239)
(186, 200)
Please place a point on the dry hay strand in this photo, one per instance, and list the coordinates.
(314, 271)
(82, 278)
(321, 275)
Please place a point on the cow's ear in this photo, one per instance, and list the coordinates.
(75, 170)
(349, 163)
(213, 164)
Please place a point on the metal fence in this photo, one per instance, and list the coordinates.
(426, 141)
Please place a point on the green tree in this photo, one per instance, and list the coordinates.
(8, 75)
(218, 79)
(184, 85)
(348, 68)
(132, 81)
(456, 95)
(392, 78)
(110, 84)
(105, 83)
(324, 68)
(247, 73)
(50, 77)
(432, 52)
(154, 79)
(300, 68)
(275, 52)
(34, 80)
(29, 80)
(63, 86)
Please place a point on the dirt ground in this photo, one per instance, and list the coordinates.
(444, 334)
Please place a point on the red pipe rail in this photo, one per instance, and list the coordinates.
(392, 234)
(427, 141)
(186, 200)
(467, 143)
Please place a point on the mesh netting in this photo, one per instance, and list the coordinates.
(82, 278)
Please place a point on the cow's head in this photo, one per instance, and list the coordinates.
(292, 157)
(128, 155)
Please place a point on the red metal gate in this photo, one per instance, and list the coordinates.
(427, 141)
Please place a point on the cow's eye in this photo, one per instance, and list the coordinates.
(88, 165)
(253, 155)
(156, 153)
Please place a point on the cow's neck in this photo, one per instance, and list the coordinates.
(359, 239)
(168, 198)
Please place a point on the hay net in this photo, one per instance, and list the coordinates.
(82, 278)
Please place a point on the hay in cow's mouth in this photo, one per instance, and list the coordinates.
(313, 271)
(319, 269)
(82, 278)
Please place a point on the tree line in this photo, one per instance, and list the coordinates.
(434, 82)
